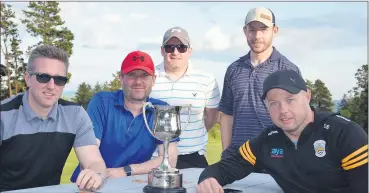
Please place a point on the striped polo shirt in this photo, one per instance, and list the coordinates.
(197, 88)
(241, 96)
(33, 150)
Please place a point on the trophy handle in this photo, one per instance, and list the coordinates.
(144, 115)
(189, 115)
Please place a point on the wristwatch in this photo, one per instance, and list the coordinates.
(128, 170)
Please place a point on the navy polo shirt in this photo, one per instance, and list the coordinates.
(241, 96)
(124, 139)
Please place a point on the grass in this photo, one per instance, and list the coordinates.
(214, 149)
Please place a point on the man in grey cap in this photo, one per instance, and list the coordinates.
(178, 82)
(244, 113)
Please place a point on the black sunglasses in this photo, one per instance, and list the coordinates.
(45, 78)
(170, 48)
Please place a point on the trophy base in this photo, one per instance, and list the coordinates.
(150, 189)
(169, 181)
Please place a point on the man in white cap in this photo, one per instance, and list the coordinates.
(178, 82)
(244, 113)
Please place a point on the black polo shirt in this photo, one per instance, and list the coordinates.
(330, 156)
(33, 150)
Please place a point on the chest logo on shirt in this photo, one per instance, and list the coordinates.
(276, 153)
(326, 126)
(194, 94)
(319, 147)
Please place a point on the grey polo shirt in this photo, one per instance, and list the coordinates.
(241, 95)
(33, 151)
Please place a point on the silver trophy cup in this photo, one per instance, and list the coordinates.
(166, 127)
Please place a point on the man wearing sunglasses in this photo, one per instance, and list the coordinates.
(125, 143)
(244, 113)
(179, 82)
(38, 129)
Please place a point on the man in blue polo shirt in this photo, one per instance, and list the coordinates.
(125, 143)
(244, 113)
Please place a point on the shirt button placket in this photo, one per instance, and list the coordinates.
(39, 123)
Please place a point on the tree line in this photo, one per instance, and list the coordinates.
(43, 22)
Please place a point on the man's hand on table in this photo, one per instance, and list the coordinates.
(90, 180)
(209, 185)
(116, 172)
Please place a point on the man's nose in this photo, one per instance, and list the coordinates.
(50, 84)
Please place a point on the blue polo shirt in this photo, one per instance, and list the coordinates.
(241, 96)
(124, 139)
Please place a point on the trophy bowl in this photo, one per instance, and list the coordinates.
(166, 127)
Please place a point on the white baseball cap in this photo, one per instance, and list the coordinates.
(261, 14)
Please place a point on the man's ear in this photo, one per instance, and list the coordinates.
(267, 104)
(163, 53)
(275, 31)
(121, 77)
(245, 30)
(153, 79)
(27, 78)
(308, 96)
(189, 51)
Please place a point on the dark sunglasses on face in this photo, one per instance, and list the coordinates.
(170, 48)
(45, 78)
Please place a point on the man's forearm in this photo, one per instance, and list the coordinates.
(147, 166)
(211, 117)
(226, 123)
(227, 170)
(98, 167)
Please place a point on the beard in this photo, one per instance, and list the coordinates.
(133, 95)
(264, 46)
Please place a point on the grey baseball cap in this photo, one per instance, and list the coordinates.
(179, 33)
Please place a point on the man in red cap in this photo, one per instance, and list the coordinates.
(124, 142)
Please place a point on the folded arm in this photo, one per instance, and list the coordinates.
(90, 158)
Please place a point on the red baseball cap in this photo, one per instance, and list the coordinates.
(138, 60)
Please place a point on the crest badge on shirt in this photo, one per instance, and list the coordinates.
(319, 147)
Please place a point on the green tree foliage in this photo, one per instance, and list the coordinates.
(97, 88)
(361, 92)
(356, 104)
(115, 83)
(14, 67)
(85, 91)
(321, 97)
(42, 21)
(344, 102)
(346, 113)
(309, 85)
(83, 95)
(18, 64)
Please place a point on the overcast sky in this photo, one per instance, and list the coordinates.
(327, 41)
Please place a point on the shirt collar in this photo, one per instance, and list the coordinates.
(30, 114)
(276, 55)
(120, 100)
(160, 69)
